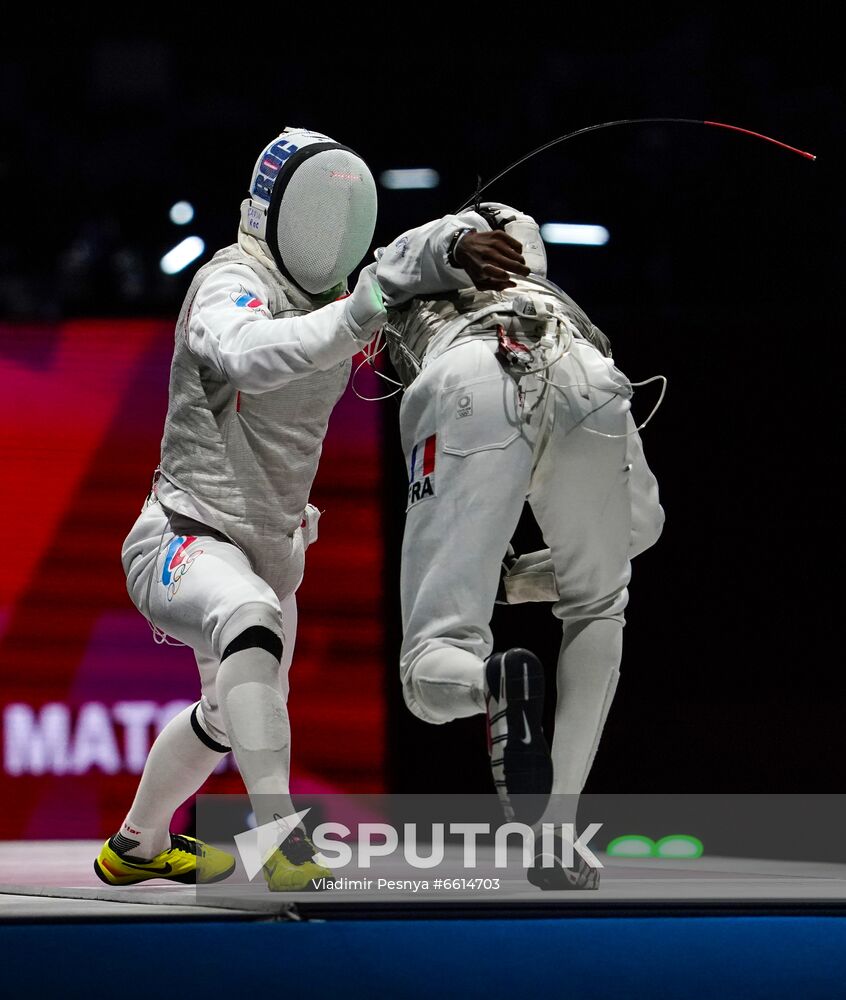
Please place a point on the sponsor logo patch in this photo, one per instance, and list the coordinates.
(421, 471)
(464, 407)
(177, 561)
(401, 247)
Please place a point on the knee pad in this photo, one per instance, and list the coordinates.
(446, 683)
(255, 637)
(254, 623)
(249, 692)
(415, 700)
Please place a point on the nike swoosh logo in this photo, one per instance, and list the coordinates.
(166, 869)
(527, 738)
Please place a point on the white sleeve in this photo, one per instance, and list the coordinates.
(230, 327)
(416, 263)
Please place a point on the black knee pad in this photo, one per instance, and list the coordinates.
(255, 637)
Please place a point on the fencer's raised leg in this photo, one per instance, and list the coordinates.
(469, 468)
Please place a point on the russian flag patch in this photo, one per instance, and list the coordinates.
(245, 299)
(421, 471)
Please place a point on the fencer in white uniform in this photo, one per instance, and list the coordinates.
(510, 396)
(262, 354)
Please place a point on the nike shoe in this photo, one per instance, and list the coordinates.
(558, 877)
(520, 759)
(186, 860)
(291, 867)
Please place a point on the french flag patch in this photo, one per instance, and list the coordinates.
(421, 471)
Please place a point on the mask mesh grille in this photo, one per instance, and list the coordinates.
(326, 219)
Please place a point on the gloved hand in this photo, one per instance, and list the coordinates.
(489, 257)
(530, 577)
(364, 307)
(522, 228)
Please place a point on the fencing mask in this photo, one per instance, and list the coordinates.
(313, 203)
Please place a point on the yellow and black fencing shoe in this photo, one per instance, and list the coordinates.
(187, 860)
(292, 868)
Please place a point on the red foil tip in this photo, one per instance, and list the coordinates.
(766, 138)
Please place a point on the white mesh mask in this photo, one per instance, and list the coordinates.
(313, 202)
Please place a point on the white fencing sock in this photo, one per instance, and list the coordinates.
(588, 670)
(177, 765)
(252, 703)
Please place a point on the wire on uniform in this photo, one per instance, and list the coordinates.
(369, 359)
(565, 350)
(380, 344)
(591, 430)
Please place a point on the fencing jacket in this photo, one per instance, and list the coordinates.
(257, 368)
(433, 306)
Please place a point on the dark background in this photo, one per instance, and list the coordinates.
(722, 273)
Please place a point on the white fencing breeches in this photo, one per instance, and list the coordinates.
(196, 586)
(477, 447)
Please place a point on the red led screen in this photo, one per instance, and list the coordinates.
(83, 687)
